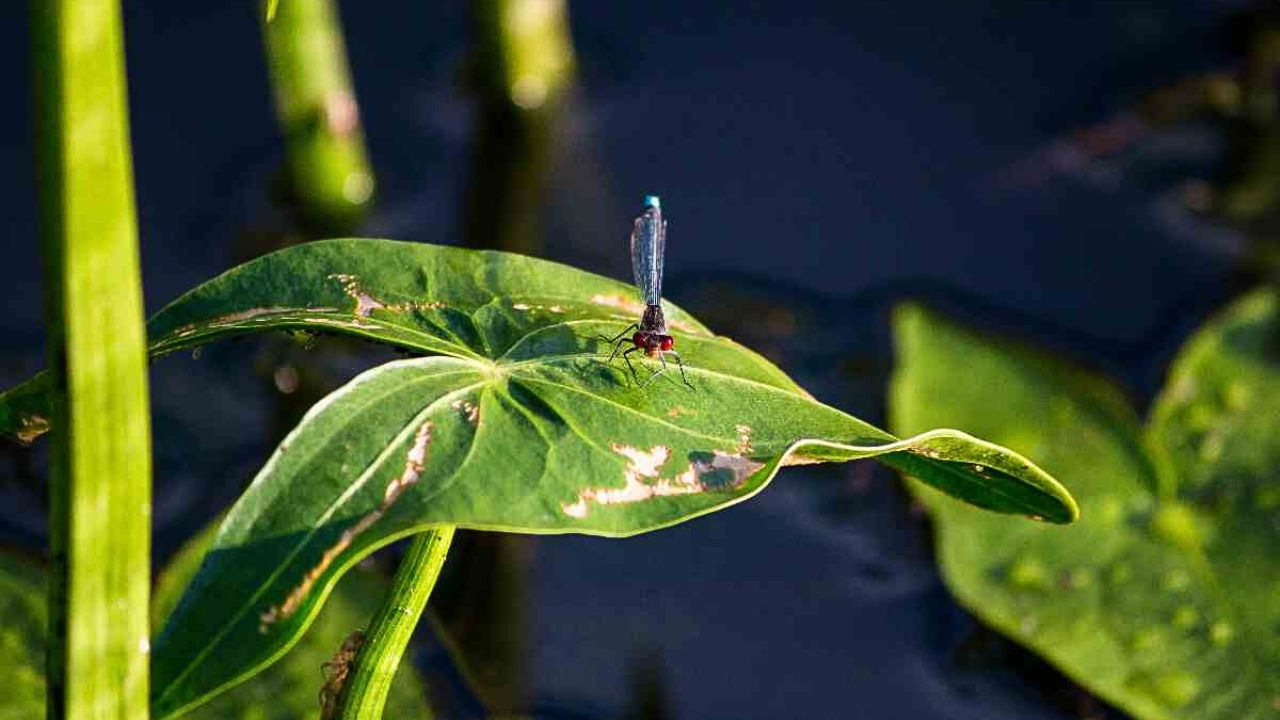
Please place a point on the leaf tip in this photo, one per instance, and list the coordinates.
(1068, 510)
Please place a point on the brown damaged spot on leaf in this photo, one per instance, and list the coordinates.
(680, 411)
(801, 459)
(469, 410)
(337, 322)
(636, 309)
(367, 303)
(625, 304)
(743, 447)
(926, 452)
(260, 313)
(526, 307)
(707, 471)
(414, 463)
(32, 427)
(336, 670)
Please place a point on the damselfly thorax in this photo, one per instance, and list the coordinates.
(652, 337)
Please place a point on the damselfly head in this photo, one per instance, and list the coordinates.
(652, 343)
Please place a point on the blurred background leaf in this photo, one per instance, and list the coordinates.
(1162, 599)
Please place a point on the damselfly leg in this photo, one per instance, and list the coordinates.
(617, 341)
(632, 368)
(662, 357)
(680, 363)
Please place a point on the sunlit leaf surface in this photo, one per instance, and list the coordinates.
(1165, 598)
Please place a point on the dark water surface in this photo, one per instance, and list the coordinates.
(817, 160)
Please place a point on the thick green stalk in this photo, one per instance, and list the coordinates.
(524, 70)
(365, 692)
(329, 170)
(525, 54)
(100, 454)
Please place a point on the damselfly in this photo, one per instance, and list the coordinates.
(648, 246)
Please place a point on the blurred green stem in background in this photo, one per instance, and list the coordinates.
(524, 69)
(100, 452)
(329, 174)
(365, 692)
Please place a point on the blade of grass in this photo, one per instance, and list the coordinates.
(100, 454)
(329, 170)
(366, 690)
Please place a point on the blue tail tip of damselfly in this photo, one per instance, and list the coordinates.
(652, 201)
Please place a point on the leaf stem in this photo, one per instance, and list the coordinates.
(366, 689)
(100, 451)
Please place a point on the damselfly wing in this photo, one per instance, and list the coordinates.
(648, 248)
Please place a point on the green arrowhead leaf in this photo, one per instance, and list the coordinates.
(1165, 598)
(290, 689)
(517, 423)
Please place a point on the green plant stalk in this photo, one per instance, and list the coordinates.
(328, 166)
(524, 52)
(524, 70)
(100, 454)
(366, 690)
